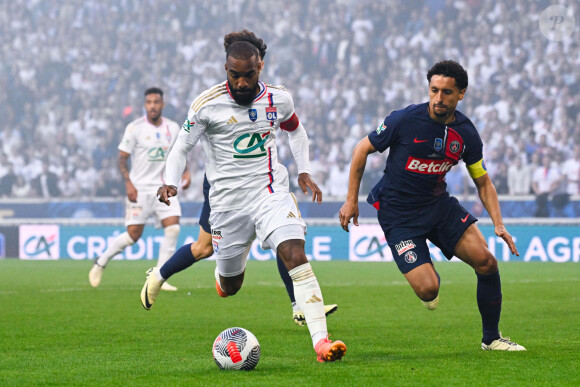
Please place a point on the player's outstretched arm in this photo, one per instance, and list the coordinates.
(165, 192)
(306, 182)
(349, 209)
(488, 195)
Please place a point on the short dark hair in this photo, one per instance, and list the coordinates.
(242, 50)
(451, 69)
(245, 36)
(154, 90)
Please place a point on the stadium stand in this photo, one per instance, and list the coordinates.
(348, 64)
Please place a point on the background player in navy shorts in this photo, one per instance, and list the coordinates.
(413, 205)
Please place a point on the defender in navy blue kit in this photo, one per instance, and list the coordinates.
(425, 141)
(412, 193)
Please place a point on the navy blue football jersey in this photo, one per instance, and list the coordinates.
(421, 152)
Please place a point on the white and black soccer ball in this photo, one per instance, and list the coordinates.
(236, 349)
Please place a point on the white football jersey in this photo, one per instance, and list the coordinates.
(148, 146)
(239, 141)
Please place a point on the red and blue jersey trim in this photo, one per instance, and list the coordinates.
(270, 176)
(271, 104)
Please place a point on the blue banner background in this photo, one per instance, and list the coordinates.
(535, 243)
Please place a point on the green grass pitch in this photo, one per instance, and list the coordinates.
(57, 330)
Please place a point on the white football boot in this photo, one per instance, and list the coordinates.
(502, 344)
(95, 275)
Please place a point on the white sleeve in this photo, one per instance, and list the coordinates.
(298, 140)
(177, 158)
(176, 161)
(128, 142)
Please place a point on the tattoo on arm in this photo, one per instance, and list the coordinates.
(123, 167)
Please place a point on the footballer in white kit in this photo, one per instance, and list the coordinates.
(147, 141)
(237, 122)
(148, 146)
(242, 168)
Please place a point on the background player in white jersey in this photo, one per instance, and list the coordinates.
(237, 122)
(147, 140)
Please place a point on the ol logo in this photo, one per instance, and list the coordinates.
(271, 113)
(156, 154)
(250, 145)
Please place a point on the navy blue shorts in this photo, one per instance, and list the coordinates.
(443, 223)
(205, 210)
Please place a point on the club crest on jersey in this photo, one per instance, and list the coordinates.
(216, 234)
(410, 257)
(404, 246)
(253, 113)
(454, 146)
(271, 113)
(438, 144)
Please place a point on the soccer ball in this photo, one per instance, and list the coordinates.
(236, 349)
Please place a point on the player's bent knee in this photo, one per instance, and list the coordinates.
(487, 265)
(201, 251)
(135, 235)
(427, 292)
(292, 253)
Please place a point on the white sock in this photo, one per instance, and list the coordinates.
(167, 248)
(158, 275)
(309, 300)
(119, 243)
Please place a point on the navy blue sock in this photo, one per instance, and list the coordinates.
(489, 303)
(181, 260)
(286, 278)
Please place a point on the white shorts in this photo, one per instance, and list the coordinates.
(234, 231)
(147, 205)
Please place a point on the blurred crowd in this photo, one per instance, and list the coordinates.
(74, 73)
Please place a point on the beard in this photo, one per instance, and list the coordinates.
(440, 114)
(153, 116)
(243, 96)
